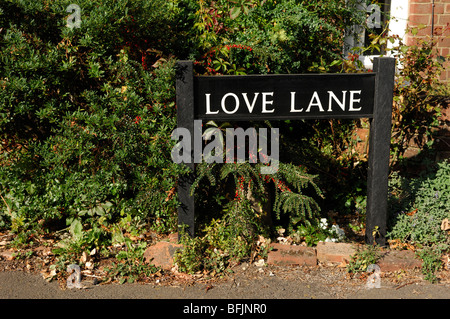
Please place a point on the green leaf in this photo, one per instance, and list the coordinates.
(76, 230)
(234, 13)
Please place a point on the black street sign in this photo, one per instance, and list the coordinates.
(278, 97)
(293, 97)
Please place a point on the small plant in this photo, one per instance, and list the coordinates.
(313, 232)
(309, 233)
(418, 91)
(365, 256)
(432, 262)
(417, 208)
(221, 245)
(130, 264)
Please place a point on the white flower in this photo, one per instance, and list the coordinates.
(323, 223)
(338, 231)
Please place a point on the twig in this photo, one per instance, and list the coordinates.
(401, 286)
(9, 209)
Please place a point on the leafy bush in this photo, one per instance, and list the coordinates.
(244, 217)
(86, 115)
(270, 36)
(418, 206)
(86, 112)
(362, 258)
(417, 101)
(418, 93)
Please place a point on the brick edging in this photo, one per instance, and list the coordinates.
(337, 253)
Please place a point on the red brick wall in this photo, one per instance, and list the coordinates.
(420, 13)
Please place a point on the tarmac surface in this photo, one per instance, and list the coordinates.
(251, 292)
(248, 282)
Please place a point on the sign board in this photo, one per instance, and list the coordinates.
(294, 97)
(270, 97)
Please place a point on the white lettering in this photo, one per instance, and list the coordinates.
(236, 100)
(200, 309)
(241, 309)
(317, 103)
(293, 109)
(208, 104)
(352, 100)
(341, 104)
(250, 107)
(265, 102)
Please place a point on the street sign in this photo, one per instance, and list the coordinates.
(294, 97)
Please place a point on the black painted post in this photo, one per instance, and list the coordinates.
(379, 151)
(185, 119)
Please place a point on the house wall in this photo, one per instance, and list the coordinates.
(414, 13)
(420, 13)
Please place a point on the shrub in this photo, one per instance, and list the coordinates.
(270, 36)
(418, 92)
(419, 205)
(417, 208)
(86, 113)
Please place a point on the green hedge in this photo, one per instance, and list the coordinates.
(86, 113)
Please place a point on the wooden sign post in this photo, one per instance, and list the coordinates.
(293, 97)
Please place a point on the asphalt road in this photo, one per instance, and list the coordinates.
(267, 295)
(268, 285)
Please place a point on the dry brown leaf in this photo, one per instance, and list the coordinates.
(445, 225)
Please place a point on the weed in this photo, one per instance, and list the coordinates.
(417, 208)
(365, 256)
(131, 266)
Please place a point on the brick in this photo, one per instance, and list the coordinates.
(363, 135)
(424, 32)
(444, 42)
(447, 8)
(7, 255)
(438, 30)
(444, 51)
(445, 115)
(443, 19)
(161, 254)
(395, 260)
(445, 76)
(416, 19)
(411, 152)
(420, 8)
(439, 8)
(335, 252)
(289, 255)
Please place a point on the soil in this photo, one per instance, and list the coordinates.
(27, 275)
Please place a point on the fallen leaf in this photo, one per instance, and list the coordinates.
(260, 263)
(209, 287)
(170, 194)
(412, 213)
(445, 225)
(83, 258)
